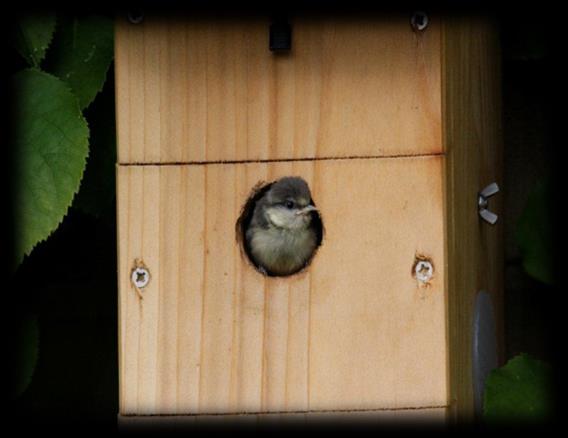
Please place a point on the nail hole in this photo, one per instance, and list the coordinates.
(275, 252)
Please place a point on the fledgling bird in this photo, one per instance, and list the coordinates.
(282, 234)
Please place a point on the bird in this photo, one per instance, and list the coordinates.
(285, 228)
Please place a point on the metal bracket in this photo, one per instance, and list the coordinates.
(484, 345)
(280, 36)
(483, 201)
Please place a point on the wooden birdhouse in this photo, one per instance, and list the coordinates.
(394, 123)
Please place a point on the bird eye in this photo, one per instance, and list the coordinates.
(289, 204)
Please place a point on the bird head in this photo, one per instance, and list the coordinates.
(288, 204)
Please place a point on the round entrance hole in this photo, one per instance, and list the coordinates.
(280, 229)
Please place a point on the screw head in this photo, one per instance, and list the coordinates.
(423, 271)
(419, 21)
(140, 277)
(135, 16)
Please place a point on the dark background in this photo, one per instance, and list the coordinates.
(70, 281)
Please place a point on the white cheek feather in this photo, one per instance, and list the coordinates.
(287, 219)
(278, 217)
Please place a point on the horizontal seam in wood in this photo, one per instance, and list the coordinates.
(322, 411)
(284, 160)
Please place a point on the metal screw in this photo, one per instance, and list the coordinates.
(419, 21)
(135, 16)
(483, 202)
(140, 277)
(423, 271)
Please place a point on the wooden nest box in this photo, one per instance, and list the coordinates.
(395, 125)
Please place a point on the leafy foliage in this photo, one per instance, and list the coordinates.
(97, 189)
(33, 35)
(27, 340)
(520, 390)
(51, 138)
(534, 234)
(82, 53)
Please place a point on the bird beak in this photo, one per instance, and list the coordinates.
(306, 210)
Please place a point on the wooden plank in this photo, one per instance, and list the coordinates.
(207, 89)
(473, 143)
(423, 416)
(354, 331)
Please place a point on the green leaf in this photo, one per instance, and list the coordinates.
(26, 337)
(534, 234)
(98, 187)
(81, 54)
(33, 33)
(51, 139)
(520, 390)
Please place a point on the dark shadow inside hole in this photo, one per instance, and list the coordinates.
(257, 192)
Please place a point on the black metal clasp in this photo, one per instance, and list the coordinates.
(280, 35)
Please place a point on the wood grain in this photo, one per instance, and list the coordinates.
(206, 89)
(473, 144)
(355, 331)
